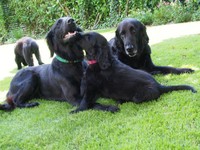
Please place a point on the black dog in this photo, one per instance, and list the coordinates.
(59, 80)
(131, 46)
(24, 49)
(107, 77)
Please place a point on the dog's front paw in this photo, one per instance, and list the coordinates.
(193, 90)
(76, 110)
(28, 105)
(186, 70)
(41, 63)
(33, 104)
(113, 109)
(155, 72)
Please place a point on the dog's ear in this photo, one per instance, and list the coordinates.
(79, 29)
(118, 43)
(143, 36)
(104, 57)
(87, 37)
(144, 40)
(50, 43)
(117, 34)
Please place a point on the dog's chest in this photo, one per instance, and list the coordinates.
(130, 61)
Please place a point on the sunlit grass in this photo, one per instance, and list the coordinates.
(171, 122)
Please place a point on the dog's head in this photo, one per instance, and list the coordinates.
(57, 37)
(97, 48)
(131, 37)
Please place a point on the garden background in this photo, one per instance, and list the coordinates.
(171, 122)
(35, 17)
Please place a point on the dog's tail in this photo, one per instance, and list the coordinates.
(9, 106)
(166, 89)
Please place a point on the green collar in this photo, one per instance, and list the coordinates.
(67, 61)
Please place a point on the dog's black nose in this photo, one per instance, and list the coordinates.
(70, 21)
(129, 48)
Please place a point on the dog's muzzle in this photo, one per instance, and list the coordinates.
(130, 50)
(69, 35)
(71, 21)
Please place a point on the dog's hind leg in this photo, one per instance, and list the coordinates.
(35, 50)
(37, 55)
(21, 99)
(27, 53)
(23, 88)
(18, 60)
(24, 62)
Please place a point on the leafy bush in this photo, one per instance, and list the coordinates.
(183, 13)
(196, 15)
(3, 32)
(175, 12)
(34, 18)
(163, 14)
(145, 16)
(16, 33)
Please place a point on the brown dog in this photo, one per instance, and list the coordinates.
(24, 49)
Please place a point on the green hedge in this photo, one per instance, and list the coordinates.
(35, 17)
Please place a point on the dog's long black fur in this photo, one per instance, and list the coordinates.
(107, 77)
(59, 80)
(24, 49)
(130, 44)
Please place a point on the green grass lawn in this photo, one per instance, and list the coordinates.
(171, 122)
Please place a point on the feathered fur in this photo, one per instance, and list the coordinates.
(131, 46)
(56, 81)
(110, 78)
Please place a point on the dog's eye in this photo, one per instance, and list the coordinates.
(132, 29)
(59, 21)
(122, 34)
(70, 21)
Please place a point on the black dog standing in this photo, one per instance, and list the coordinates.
(59, 80)
(130, 44)
(24, 49)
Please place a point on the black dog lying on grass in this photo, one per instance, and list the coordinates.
(59, 80)
(107, 77)
(131, 45)
(24, 49)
